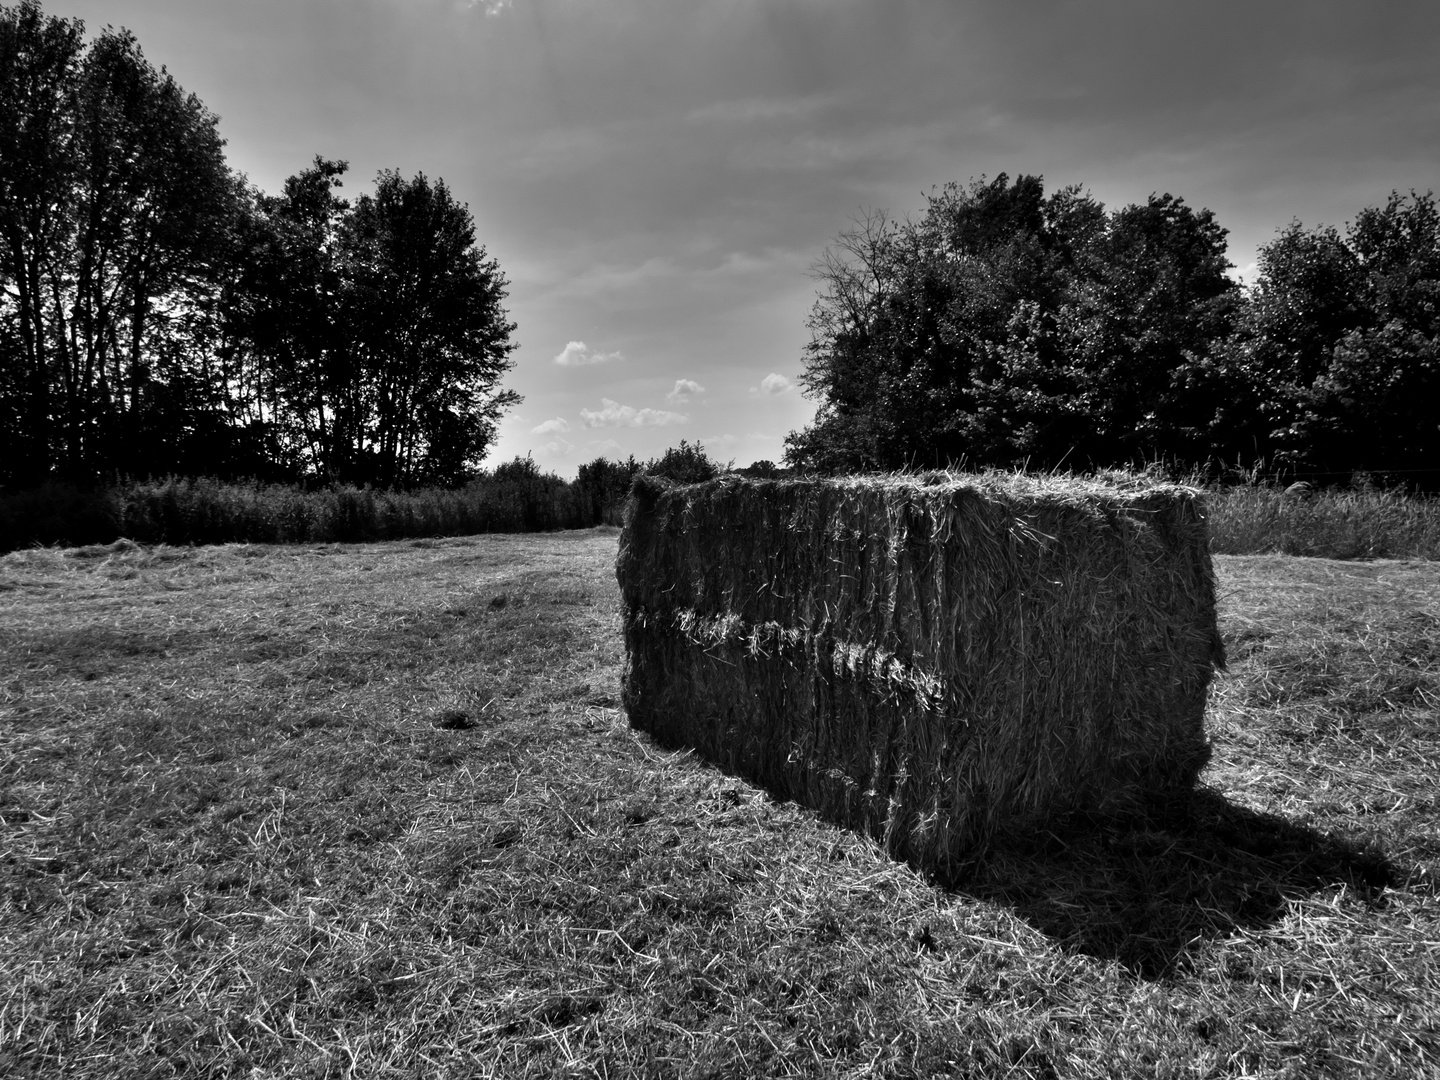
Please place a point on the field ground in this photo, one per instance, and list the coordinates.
(372, 811)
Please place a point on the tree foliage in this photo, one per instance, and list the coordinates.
(601, 487)
(1003, 326)
(1342, 342)
(381, 329)
(114, 202)
(157, 316)
(687, 463)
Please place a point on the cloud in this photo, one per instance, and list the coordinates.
(685, 390)
(555, 426)
(578, 354)
(490, 8)
(750, 110)
(613, 414)
(773, 385)
(600, 280)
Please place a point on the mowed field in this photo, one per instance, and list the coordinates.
(373, 811)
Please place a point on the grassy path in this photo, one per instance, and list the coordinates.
(372, 810)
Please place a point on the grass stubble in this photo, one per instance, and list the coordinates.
(372, 811)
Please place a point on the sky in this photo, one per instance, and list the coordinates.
(657, 177)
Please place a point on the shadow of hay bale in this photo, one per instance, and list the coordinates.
(1148, 890)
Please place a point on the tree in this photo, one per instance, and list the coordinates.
(1339, 343)
(1004, 327)
(915, 328)
(433, 338)
(39, 75)
(288, 314)
(1166, 302)
(157, 316)
(381, 327)
(114, 203)
(1352, 356)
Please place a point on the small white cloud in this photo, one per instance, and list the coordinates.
(578, 354)
(491, 8)
(685, 390)
(774, 384)
(613, 414)
(555, 448)
(556, 426)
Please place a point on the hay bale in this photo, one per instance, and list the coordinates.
(939, 660)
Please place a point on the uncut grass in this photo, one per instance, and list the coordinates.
(1259, 519)
(371, 811)
(200, 510)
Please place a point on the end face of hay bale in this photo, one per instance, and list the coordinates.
(941, 661)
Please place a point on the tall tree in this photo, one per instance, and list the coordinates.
(1002, 327)
(114, 203)
(1149, 309)
(379, 327)
(157, 316)
(1342, 340)
(40, 62)
(432, 335)
(289, 311)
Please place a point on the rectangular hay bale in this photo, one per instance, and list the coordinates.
(940, 660)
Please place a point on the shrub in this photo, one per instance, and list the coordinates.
(685, 464)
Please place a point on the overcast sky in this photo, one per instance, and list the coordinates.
(656, 176)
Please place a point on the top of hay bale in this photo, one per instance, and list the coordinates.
(999, 481)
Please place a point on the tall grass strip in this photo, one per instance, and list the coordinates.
(1259, 519)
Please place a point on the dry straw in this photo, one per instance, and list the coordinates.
(942, 661)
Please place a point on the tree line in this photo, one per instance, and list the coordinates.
(159, 315)
(1004, 326)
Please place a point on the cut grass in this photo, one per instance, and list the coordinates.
(372, 811)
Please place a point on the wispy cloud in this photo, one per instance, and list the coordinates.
(749, 110)
(602, 279)
(556, 426)
(578, 354)
(685, 390)
(613, 414)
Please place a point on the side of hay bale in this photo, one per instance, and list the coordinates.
(940, 661)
